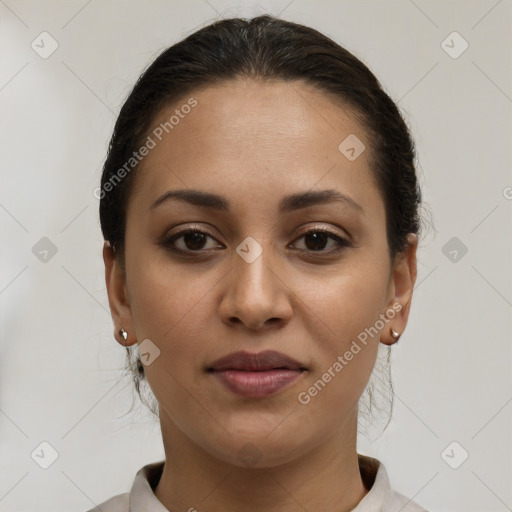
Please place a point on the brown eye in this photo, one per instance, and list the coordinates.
(194, 240)
(189, 240)
(317, 239)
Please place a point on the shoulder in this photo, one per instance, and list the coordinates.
(381, 495)
(119, 503)
(140, 497)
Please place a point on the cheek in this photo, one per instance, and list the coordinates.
(166, 302)
(172, 306)
(344, 345)
(345, 304)
(341, 319)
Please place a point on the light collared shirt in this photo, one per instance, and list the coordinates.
(380, 497)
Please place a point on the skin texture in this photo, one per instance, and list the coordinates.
(254, 142)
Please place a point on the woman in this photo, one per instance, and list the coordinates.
(260, 210)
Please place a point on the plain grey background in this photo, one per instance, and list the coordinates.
(60, 367)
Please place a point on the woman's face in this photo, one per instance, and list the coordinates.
(251, 279)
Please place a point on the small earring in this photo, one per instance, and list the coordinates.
(395, 334)
(124, 334)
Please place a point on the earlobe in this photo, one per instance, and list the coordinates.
(117, 295)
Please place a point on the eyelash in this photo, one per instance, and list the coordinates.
(170, 240)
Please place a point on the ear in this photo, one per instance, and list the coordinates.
(118, 300)
(402, 280)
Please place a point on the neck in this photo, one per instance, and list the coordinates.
(327, 478)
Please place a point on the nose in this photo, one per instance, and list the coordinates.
(256, 295)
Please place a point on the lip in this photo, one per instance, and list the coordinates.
(266, 360)
(256, 375)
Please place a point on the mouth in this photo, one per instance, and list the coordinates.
(256, 375)
(262, 361)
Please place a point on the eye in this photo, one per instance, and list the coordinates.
(317, 238)
(190, 239)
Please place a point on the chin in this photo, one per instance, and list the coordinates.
(257, 448)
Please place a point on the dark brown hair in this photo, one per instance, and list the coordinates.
(266, 48)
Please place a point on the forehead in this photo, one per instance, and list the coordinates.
(259, 138)
(242, 111)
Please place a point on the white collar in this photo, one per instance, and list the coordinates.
(379, 498)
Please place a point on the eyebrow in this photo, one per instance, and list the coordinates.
(288, 203)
